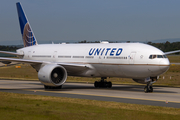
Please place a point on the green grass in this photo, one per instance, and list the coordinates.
(174, 58)
(25, 72)
(28, 107)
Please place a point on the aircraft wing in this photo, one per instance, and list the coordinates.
(40, 62)
(19, 60)
(70, 67)
(172, 52)
(11, 53)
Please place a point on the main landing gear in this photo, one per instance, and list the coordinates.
(50, 87)
(103, 83)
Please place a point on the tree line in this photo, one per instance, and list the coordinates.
(8, 48)
(165, 47)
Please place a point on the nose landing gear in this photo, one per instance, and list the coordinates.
(103, 83)
(148, 87)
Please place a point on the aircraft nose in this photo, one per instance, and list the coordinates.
(164, 65)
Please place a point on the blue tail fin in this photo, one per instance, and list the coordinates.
(26, 31)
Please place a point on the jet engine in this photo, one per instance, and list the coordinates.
(145, 80)
(52, 75)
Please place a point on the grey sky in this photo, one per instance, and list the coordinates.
(91, 20)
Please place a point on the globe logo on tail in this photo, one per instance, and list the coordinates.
(28, 36)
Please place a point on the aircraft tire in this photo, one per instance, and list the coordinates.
(96, 84)
(99, 84)
(50, 87)
(109, 84)
(150, 89)
(46, 87)
(59, 87)
(146, 90)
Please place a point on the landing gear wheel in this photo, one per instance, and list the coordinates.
(109, 84)
(150, 89)
(59, 87)
(50, 87)
(96, 84)
(102, 83)
(146, 90)
(46, 87)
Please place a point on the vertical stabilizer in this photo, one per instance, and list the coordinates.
(26, 31)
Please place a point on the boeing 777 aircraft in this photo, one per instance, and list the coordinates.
(54, 62)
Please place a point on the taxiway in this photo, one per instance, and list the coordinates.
(162, 96)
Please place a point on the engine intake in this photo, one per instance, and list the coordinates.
(52, 75)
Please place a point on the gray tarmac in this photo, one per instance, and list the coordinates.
(162, 96)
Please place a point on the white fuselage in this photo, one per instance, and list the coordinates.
(130, 60)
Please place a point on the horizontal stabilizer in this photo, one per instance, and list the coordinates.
(11, 53)
(20, 60)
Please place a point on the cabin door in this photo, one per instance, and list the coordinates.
(55, 56)
(132, 57)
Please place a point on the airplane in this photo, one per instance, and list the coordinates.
(54, 62)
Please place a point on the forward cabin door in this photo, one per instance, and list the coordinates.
(55, 56)
(132, 57)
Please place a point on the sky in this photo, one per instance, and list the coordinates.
(92, 20)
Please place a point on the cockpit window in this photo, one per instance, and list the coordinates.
(164, 56)
(157, 56)
(152, 56)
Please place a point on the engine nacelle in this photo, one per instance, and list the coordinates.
(52, 75)
(145, 80)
